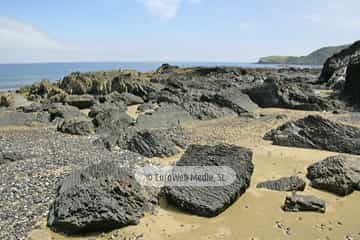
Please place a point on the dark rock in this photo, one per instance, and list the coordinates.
(337, 174)
(118, 138)
(171, 95)
(302, 203)
(131, 99)
(77, 127)
(318, 133)
(206, 110)
(107, 107)
(155, 143)
(282, 94)
(80, 101)
(334, 70)
(286, 184)
(100, 198)
(233, 99)
(352, 84)
(195, 102)
(210, 201)
(110, 120)
(166, 116)
(112, 99)
(133, 82)
(58, 110)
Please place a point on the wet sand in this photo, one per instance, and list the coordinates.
(257, 214)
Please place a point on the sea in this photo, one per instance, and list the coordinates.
(14, 76)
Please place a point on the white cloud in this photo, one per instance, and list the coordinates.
(164, 8)
(15, 34)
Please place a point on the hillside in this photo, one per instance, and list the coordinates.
(317, 57)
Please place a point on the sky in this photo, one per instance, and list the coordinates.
(171, 30)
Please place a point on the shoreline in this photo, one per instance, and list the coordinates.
(154, 66)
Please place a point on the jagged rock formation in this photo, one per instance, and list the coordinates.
(334, 69)
(318, 133)
(279, 93)
(352, 83)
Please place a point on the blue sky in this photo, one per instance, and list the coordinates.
(171, 30)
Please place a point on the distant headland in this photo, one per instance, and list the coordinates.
(317, 57)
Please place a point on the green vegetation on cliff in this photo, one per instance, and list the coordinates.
(317, 57)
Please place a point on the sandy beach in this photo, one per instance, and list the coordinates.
(257, 214)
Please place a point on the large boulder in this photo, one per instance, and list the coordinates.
(285, 184)
(200, 104)
(210, 201)
(99, 198)
(206, 110)
(157, 143)
(233, 99)
(133, 82)
(304, 203)
(352, 83)
(166, 116)
(317, 132)
(59, 110)
(335, 67)
(80, 101)
(77, 126)
(282, 94)
(337, 174)
(110, 120)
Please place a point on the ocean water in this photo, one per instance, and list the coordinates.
(14, 76)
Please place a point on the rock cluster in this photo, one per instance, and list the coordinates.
(104, 195)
